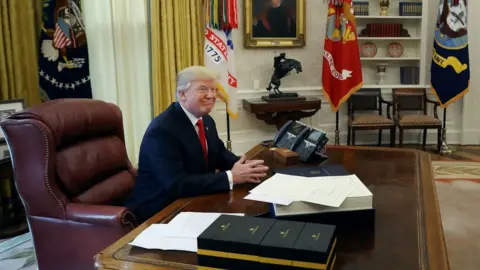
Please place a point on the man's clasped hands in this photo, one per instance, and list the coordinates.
(248, 171)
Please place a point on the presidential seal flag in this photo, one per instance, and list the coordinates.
(342, 70)
(450, 70)
(219, 56)
(63, 52)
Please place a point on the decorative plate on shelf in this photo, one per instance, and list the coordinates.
(395, 49)
(369, 49)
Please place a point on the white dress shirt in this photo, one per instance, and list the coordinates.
(194, 121)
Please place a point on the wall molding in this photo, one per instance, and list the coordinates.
(246, 132)
(470, 137)
(244, 140)
(307, 91)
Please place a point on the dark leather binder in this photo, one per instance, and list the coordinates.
(357, 220)
(314, 171)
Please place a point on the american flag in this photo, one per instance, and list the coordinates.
(62, 36)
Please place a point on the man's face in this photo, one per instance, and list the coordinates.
(200, 97)
(275, 3)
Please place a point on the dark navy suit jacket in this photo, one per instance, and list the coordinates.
(172, 164)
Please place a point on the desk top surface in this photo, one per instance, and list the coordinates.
(408, 234)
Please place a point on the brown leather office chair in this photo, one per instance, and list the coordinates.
(72, 173)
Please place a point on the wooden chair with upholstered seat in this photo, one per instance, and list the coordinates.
(415, 100)
(368, 102)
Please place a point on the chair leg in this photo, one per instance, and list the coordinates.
(392, 137)
(424, 138)
(400, 139)
(353, 136)
(380, 137)
(439, 139)
(348, 135)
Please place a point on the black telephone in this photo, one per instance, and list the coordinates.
(304, 140)
(289, 134)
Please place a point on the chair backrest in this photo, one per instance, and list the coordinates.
(365, 99)
(410, 99)
(68, 150)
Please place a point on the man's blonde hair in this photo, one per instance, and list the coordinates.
(194, 73)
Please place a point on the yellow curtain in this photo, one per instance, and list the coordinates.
(19, 24)
(177, 32)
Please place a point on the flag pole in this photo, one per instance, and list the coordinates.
(444, 150)
(337, 132)
(229, 142)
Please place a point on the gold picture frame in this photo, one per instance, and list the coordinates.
(256, 35)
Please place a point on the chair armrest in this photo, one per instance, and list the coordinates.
(389, 104)
(350, 111)
(386, 102)
(432, 101)
(435, 106)
(102, 215)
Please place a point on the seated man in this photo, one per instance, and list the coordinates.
(181, 150)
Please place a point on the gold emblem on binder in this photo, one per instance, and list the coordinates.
(284, 234)
(225, 227)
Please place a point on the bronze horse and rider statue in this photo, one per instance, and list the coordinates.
(283, 66)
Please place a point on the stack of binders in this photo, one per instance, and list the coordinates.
(234, 242)
(357, 212)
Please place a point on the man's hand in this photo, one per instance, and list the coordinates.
(248, 172)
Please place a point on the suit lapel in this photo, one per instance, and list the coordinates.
(190, 134)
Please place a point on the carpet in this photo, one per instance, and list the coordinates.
(17, 253)
(458, 191)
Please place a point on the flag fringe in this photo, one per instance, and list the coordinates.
(453, 99)
(344, 98)
(221, 14)
(335, 2)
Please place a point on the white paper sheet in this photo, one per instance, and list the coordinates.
(359, 189)
(192, 224)
(329, 191)
(179, 234)
(268, 199)
(283, 186)
(326, 190)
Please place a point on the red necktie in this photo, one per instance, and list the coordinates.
(203, 141)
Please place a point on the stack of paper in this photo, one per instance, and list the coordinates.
(331, 191)
(179, 234)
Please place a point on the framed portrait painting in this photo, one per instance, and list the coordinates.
(274, 23)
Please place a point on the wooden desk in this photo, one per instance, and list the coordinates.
(278, 113)
(408, 235)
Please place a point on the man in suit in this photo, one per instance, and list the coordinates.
(181, 150)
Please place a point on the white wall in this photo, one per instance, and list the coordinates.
(257, 64)
(471, 108)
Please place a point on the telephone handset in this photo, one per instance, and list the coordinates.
(313, 142)
(289, 134)
(298, 137)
